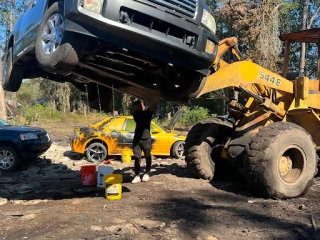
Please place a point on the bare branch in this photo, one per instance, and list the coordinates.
(313, 17)
(235, 10)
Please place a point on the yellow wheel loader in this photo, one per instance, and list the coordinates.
(274, 138)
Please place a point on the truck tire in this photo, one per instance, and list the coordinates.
(191, 85)
(281, 161)
(12, 74)
(9, 159)
(105, 97)
(201, 141)
(56, 50)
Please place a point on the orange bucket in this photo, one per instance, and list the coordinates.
(88, 175)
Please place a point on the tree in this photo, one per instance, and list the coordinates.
(255, 23)
(305, 24)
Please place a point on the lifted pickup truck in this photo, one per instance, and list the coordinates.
(151, 49)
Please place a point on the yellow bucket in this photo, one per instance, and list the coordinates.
(113, 186)
(126, 156)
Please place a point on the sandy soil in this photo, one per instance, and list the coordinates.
(45, 200)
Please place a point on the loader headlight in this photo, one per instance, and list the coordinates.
(93, 5)
(208, 21)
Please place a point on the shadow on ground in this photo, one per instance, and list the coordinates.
(44, 179)
(218, 213)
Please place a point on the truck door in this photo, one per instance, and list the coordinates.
(31, 21)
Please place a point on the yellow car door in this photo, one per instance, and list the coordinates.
(112, 133)
(161, 141)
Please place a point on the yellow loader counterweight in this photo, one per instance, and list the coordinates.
(274, 137)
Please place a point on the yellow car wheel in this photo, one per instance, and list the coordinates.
(96, 152)
(177, 150)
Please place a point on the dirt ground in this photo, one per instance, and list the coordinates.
(45, 200)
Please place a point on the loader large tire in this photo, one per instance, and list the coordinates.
(281, 161)
(201, 141)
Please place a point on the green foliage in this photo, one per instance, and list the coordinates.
(161, 122)
(35, 112)
(30, 91)
(193, 115)
(214, 104)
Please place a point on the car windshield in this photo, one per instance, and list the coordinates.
(3, 123)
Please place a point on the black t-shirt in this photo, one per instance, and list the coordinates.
(143, 121)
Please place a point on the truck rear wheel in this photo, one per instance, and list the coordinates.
(201, 142)
(12, 74)
(281, 161)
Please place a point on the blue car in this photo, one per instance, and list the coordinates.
(18, 143)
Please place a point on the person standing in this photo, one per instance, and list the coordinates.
(142, 139)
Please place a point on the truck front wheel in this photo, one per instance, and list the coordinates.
(56, 50)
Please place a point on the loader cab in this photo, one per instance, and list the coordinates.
(306, 36)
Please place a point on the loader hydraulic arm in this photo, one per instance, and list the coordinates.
(261, 84)
(267, 103)
(245, 73)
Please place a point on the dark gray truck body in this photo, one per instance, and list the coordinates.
(132, 45)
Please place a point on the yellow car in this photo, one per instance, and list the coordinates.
(113, 135)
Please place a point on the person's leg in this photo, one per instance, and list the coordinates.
(146, 147)
(137, 157)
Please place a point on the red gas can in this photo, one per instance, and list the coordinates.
(88, 175)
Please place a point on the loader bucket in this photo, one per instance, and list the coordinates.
(244, 73)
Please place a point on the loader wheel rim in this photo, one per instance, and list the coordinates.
(52, 34)
(292, 165)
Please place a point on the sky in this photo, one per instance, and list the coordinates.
(2, 27)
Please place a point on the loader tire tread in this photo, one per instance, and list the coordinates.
(200, 140)
(258, 155)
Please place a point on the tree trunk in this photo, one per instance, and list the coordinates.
(303, 45)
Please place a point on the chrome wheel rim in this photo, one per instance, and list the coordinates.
(52, 34)
(6, 159)
(180, 149)
(96, 154)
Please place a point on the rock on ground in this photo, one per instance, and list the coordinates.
(147, 223)
(28, 217)
(3, 201)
